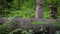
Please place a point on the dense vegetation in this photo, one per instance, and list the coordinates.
(24, 9)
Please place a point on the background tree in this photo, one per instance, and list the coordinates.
(53, 10)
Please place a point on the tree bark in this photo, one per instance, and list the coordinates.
(53, 10)
(39, 9)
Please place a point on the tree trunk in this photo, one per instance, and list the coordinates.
(53, 10)
(39, 9)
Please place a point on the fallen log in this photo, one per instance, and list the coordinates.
(35, 24)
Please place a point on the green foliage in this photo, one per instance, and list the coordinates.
(54, 1)
(57, 32)
(22, 31)
(4, 28)
(57, 23)
(47, 13)
(37, 23)
(27, 10)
